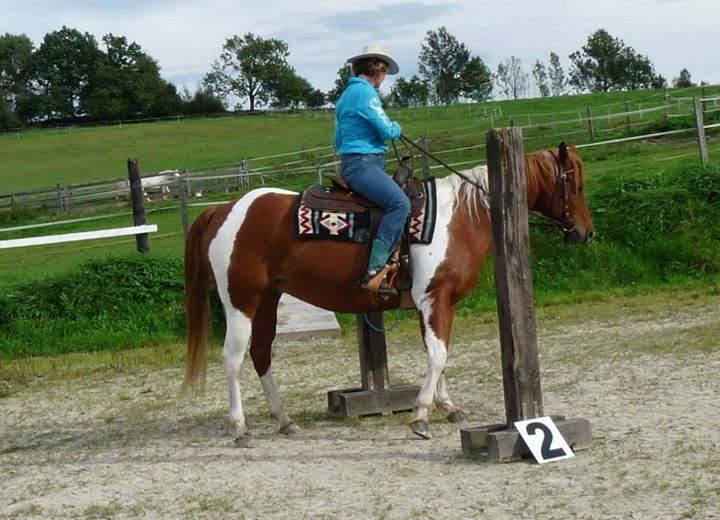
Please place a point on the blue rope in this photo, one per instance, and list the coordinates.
(378, 329)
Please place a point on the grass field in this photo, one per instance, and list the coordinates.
(42, 158)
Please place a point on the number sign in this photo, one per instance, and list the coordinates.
(544, 439)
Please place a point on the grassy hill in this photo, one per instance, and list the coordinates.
(42, 158)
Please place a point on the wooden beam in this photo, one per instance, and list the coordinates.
(74, 237)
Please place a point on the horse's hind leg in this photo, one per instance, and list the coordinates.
(442, 400)
(263, 334)
(237, 339)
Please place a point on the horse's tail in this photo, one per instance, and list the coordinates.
(197, 301)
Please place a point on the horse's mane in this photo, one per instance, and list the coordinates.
(472, 194)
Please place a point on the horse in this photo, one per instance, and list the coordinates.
(249, 249)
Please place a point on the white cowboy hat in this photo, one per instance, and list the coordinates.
(375, 51)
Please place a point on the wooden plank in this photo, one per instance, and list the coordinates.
(372, 349)
(358, 402)
(74, 237)
(513, 275)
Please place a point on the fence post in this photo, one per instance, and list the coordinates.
(319, 174)
(666, 99)
(627, 116)
(591, 126)
(59, 199)
(699, 122)
(138, 204)
(513, 275)
(182, 197)
(425, 162)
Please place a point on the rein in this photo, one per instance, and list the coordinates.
(464, 177)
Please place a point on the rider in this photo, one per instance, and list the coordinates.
(361, 128)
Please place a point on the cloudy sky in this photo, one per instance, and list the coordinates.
(185, 36)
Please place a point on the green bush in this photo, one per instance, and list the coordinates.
(660, 228)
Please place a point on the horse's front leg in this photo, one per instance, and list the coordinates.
(435, 322)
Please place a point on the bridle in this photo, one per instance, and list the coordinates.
(567, 224)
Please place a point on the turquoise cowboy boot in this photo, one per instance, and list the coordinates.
(379, 255)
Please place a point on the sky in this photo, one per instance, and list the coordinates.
(186, 36)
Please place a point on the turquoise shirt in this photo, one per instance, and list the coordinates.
(361, 124)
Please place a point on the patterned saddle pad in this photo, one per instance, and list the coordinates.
(332, 213)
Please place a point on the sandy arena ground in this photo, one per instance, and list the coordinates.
(124, 444)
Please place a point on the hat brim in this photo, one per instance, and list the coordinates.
(393, 67)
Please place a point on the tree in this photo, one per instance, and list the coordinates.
(15, 60)
(341, 83)
(412, 93)
(683, 80)
(511, 79)
(605, 64)
(248, 68)
(62, 72)
(288, 89)
(202, 102)
(541, 79)
(448, 67)
(556, 76)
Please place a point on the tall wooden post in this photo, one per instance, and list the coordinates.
(627, 117)
(700, 124)
(516, 313)
(138, 204)
(513, 275)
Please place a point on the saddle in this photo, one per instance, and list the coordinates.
(339, 197)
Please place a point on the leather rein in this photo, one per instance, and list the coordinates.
(567, 225)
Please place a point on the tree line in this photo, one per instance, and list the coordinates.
(71, 76)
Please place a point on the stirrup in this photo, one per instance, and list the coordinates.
(375, 282)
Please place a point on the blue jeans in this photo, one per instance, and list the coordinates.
(365, 173)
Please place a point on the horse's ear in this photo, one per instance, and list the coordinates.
(563, 152)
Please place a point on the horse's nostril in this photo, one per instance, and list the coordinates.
(590, 235)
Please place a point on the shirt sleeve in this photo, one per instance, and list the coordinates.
(372, 111)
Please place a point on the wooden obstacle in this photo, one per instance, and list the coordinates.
(376, 395)
(516, 313)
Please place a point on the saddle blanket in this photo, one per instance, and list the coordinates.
(359, 226)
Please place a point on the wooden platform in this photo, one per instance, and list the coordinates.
(300, 321)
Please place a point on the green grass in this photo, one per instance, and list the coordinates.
(656, 215)
(42, 158)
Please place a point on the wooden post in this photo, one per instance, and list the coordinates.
(516, 313)
(376, 395)
(182, 197)
(627, 116)
(138, 204)
(319, 174)
(700, 124)
(59, 199)
(666, 107)
(591, 126)
(425, 162)
(513, 275)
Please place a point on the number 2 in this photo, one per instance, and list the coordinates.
(547, 453)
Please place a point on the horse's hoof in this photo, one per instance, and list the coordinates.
(457, 416)
(420, 428)
(290, 429)
(241, 442)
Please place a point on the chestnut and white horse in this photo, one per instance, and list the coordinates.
(249, 249)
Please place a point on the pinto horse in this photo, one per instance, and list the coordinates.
(249, 249)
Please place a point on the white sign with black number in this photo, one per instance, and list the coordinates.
(544, 439)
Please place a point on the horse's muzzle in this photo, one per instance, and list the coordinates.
(574, 236)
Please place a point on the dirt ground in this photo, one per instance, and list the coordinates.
(644, 370)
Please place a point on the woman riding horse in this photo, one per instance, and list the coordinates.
(361, 128)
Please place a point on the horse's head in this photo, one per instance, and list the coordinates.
(556, 191)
